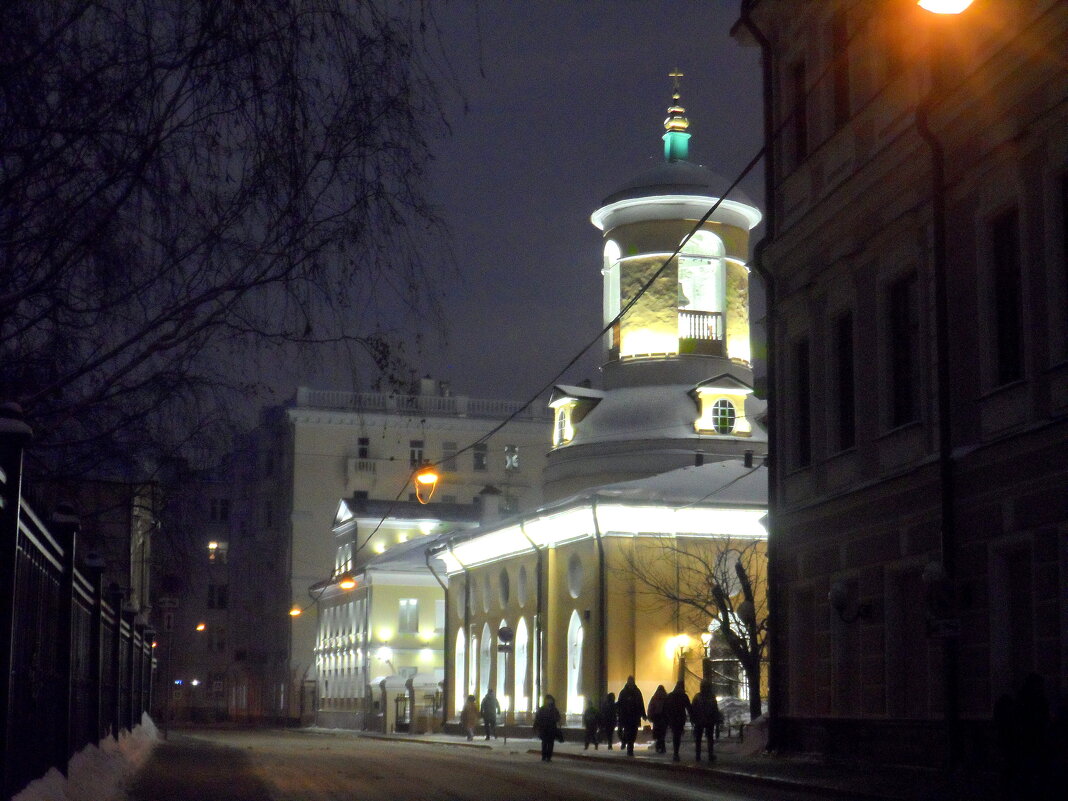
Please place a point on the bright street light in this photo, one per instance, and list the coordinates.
(944, 6)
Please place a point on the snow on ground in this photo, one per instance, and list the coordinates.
(97, 773)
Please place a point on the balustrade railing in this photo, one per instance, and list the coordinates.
(439, 405)
(703, 325)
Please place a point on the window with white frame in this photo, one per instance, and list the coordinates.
(408, 619)
(723, 416)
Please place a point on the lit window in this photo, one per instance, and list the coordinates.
(723, 416)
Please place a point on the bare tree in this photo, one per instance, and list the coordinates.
(711, 579)
(188, 186)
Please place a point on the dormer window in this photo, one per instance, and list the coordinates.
(570, 404)
(721, 404)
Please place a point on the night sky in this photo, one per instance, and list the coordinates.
(566, 100)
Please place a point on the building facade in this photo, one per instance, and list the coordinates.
(328, 446)
(915, 256)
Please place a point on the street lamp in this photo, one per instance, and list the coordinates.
(346, 581)
(944, 6)
(426, 481)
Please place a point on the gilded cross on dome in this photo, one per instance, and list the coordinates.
(675, 75)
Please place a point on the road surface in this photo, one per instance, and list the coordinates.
(277, 765)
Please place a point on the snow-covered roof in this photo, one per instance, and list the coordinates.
(574, 391)
(723, 498)
(676, 178)
(728, 482)
(654, 412)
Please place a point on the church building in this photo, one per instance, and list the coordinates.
(669, 450)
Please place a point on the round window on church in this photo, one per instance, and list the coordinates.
(723, 416)
(575, 576)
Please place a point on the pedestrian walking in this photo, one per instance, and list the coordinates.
(547, 727)
(705, 716)
(489, 711)
(591, 721)
(658, 719)
(469, 717)
(630, 709)
(608, 718)
(676, 711)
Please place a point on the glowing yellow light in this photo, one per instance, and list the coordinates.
(201, 626)
(295, 611)
(426, 481)
(154, 643)
(944, 6)
(384, 653)
(347, 581)
(385, 635)
(213, 545)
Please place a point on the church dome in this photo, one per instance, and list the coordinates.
(676, 178)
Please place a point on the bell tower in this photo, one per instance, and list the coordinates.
(677, 379)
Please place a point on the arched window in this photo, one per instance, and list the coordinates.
(499, 686)
(472, 667)
(610, 271)
(484, 662)
(723, 416)
(522, 699)
(574, 666)
(702, 273)
(458, 684)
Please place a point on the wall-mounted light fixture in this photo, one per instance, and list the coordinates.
(839, 599)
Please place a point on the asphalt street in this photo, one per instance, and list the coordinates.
(293, 765)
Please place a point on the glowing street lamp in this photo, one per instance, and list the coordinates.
(295, 611)
(201, 626)
(346, 581)
(944, 6)
(426, 481)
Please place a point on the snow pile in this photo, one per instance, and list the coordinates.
(97, 773)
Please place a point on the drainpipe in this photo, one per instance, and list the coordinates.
(467, 618)
(539, 644)
(775, 679)
(602, 602)
(449, 663)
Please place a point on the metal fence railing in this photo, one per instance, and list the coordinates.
(79, 667)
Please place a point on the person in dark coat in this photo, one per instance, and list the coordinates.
(547, 727)
(608, 718)
(630, 708)
(676, 711)
(489, 711)
(591, 721)
(705, 716)
(655, 711)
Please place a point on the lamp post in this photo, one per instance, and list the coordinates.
(944, 572)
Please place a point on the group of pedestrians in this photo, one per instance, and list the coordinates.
(667, 711)
(488, 711)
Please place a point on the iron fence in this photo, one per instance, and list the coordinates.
(67, 678)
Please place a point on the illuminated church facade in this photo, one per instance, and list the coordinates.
(670, 447)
